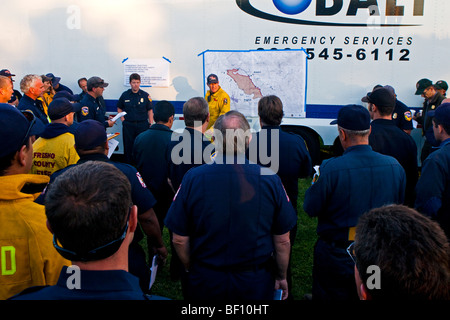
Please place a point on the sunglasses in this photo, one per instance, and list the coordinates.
(32, 120)
(351, 252)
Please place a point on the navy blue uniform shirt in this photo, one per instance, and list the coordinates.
(350, 185)
(136, 105)
(149, 153)
(433, 188)
(230, 212)
(94, 285)
(402, 116)
(26, 103)
(294, 161)
(386, 138)
(186, 151)
(91, 109)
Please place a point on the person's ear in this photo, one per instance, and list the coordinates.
(133, 221)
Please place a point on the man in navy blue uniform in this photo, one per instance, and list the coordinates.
(93, 227)
(386, 138)
(227, 235)
(32, 88)
(347, 187)
(433, 99)
(92, 145)
(187, 149)
(285, 153)
(433, 188)
(91, 106)
(138, 106)
(149, 154)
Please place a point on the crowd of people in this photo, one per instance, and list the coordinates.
(72, 220)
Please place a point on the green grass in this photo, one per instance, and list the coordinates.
(302, 257)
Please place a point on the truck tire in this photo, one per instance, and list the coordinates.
(311, 140)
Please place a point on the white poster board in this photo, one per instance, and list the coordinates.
(153, 72)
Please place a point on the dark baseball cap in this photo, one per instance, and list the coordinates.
(441, 114)
(55, 80)
(89, 135)
(441, 84)
(212, 78)
(353, 117)
(15, 127)
(6, 73)
(95, 82)
(59, 108)
(422, 84)
(381, 96)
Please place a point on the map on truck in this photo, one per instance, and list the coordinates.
(249, 75)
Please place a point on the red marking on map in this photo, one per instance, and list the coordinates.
(245, 83)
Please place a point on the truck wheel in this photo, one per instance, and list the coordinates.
(311, 141)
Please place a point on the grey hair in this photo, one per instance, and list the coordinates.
(28, 82)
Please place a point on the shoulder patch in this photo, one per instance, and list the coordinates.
(408, 116)
(138, 175)
(84, 111)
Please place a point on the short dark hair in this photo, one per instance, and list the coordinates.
(270, 110)
(6, 161)
(195, 109)
(82, 213)
(135, 76)
(411, 251)
(162, 111)
(445, 126)
(81, 79)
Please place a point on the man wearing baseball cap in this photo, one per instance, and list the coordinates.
(433, 99)
(57, 85)
(433, 189)
(28, 257)
(91, 108)
(218, 99)
(347, 187)
(386, 138)
(54, 150)
(442, 87)
(16, 95)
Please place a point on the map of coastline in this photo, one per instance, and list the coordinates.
(245, 83)
(247, 76)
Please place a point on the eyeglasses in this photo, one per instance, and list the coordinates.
(32, 120)
(98, 253)
(351, 251)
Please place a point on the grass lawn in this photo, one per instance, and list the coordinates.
(302, 257)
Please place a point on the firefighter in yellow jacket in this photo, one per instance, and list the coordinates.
(55, 149)
(218, 99)
(27, 254)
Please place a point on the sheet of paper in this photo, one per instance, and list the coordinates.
(119, 115)
(153, 271)
(112, 143)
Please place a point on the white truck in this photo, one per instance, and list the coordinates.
(352, 45)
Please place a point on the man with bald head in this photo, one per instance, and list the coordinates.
(232, 238)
